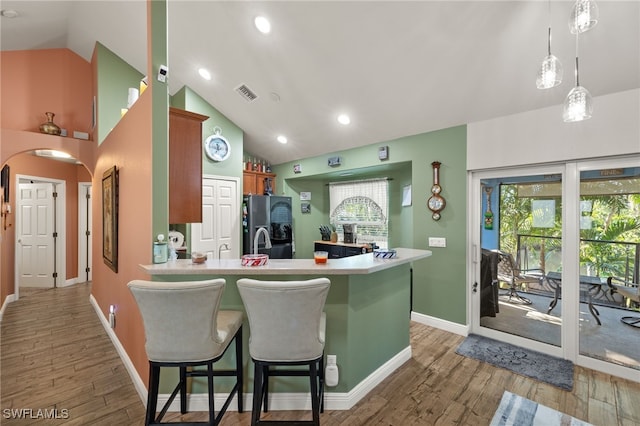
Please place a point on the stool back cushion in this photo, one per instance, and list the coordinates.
(285, 318)
(180, 318)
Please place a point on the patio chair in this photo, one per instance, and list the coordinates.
(629, 290)
(509, 273)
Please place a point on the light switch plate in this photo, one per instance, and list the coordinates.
(437, 242)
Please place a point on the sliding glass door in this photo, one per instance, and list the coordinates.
(609, 256)
(520, 234)
(556, 252)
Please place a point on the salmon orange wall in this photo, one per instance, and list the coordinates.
(32, 83)
(128, 147)
(37, 81)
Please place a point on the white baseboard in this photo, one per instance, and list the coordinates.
(300, 400)
(449, 326)
(277, 401)
(72, 281)
(133, 373)
(10, 298)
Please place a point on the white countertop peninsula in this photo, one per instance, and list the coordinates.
(368, 312)
(354, 265)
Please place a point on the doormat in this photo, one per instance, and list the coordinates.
(546, 368)
(518, 411)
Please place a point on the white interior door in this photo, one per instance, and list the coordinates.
(218, 234)
(84, 232)
(35, 243)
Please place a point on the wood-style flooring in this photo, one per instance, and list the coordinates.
(56, 355)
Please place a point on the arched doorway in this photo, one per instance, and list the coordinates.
(62, 185)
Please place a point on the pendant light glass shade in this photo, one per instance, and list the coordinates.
(584, 16)
(550, 72)
(578, 104)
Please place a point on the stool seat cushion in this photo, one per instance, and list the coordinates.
(180, 320)
(228, 323)
(286, 318)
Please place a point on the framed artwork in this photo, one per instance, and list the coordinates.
(406, 195)
(4, 183)
(305, 207)
(110, 218)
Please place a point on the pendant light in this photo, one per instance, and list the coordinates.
(584, 16)
(578, 104)
(550, 72)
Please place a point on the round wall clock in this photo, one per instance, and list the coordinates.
(436, 203)
(216, 146)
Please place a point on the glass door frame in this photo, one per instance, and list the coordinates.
(582, 166)
(475, 221)
(570, 172)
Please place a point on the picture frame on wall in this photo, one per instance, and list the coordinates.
(110, 218)
(4, 183)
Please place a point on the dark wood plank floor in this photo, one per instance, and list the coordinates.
(56, 355)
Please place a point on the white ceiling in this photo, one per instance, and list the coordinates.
(397, 67)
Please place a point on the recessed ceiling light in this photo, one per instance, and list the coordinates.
(204, 74)
(262, 24)
(344, 119)
(9, 13)
(282, 139)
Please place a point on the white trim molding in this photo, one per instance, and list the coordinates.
(10, 298)
(300, 400)
(133, 373)
(277, 401)
(451, 327)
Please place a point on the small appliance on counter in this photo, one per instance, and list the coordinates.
(349, 230)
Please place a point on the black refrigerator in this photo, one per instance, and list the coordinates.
(273, 213)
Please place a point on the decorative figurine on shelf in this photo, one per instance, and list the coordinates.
(488, 215)
(50, 128)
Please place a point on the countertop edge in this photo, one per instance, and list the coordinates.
(362, 264)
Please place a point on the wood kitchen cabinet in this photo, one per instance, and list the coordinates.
(185, 166)
(253, 182)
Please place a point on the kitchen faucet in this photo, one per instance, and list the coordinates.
(267, 240)
(222, 246)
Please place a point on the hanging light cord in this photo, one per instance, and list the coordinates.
(549, 38)
(577, 74)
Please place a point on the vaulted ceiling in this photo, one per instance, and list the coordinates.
(396, 67)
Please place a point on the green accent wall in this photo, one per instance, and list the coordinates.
(439, 282)
(114, 78)
(160, 121)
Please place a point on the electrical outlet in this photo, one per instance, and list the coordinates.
(437, 242)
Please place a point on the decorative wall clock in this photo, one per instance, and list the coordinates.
(436, 203)
(216, 146)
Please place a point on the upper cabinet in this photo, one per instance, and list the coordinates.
(257, 183)
(185, 166)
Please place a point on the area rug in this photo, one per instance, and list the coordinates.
(515, 410)
(539, 366)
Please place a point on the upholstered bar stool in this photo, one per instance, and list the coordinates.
(184, 328)
(287, 326)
